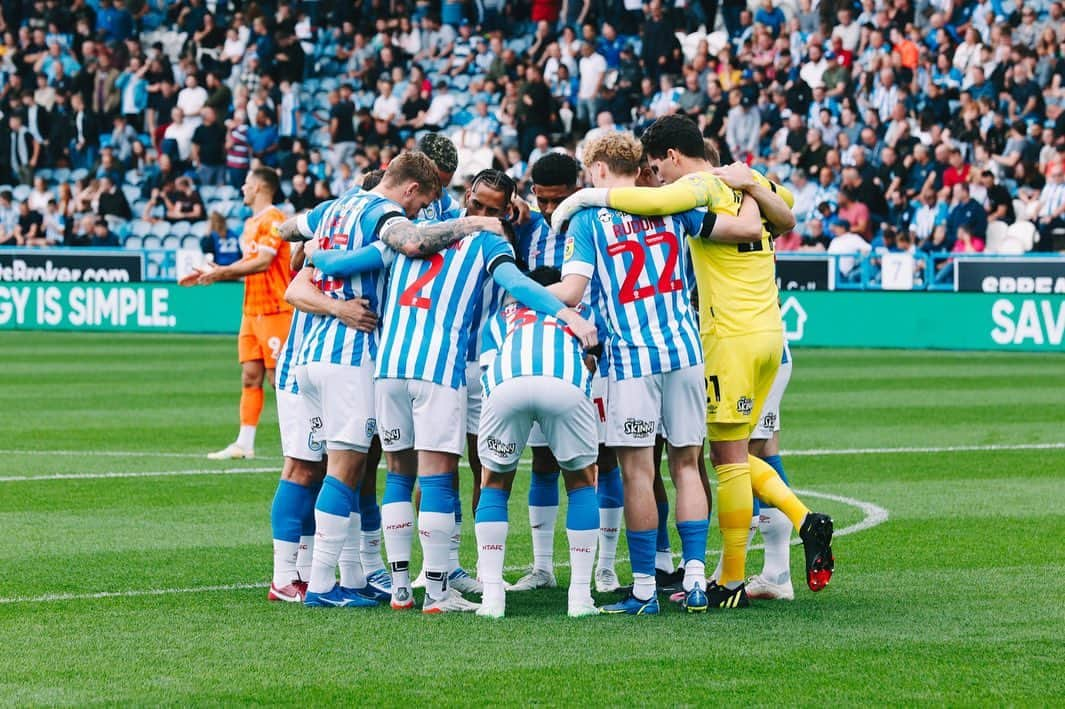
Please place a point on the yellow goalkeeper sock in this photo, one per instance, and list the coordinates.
(734, 505)
(771, 489)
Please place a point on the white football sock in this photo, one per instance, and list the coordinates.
(370, 551)
(776, 532)
(542, 521)
(332, 532)
(435, 530)
(694, 571)
(664, 561)
(609, 532)
(303, 559)
(453, 544)
(397, 521)
(491, 548)
(643, 586)
(582, 544)
(285, 554)
(246, 438)
(351, 573)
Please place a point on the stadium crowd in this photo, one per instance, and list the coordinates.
(899, 125)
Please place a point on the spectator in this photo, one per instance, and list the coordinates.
(965, 211)
(22, 150)
(39, 196)
(264, 140)
(133, 92)
(341, 125)
(177, 137)
(744, 122)
(302, 195)
(855, 213)
(183, 203)
(438, 115)
(849, 247)
(102, 236)
(209, 150)
(1051, 215)
(9, 215)
(221, 244)
(999, 201)
(110, 200)
(29, 231)
(592, 70)
(238, 150)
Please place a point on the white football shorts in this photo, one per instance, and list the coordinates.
(566, 416)
(769, 423)
(300, 428)
(343, 397)
(421, 415)
(672, 404)
(473, 397)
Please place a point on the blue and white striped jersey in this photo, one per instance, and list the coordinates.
(638, 270)
(539, 244)
(286, 360)
(430, 307)
(447, 207)
(520, 342)
(348, 224)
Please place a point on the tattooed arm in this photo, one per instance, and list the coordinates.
(416, 240)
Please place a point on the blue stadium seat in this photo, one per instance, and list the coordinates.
(190, 242)
(160, 229)
(132, 193)
(461, 118)
(140, 227)
(172, 243)
(152, 242)
(180, 229)
(21, 192)
(61, 174)
(200, 229)
(134, 242)
(79, 174)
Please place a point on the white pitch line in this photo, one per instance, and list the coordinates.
(138, 474)
(873, 516)
(924, 449)
(798, 452)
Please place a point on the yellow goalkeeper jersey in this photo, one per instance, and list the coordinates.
(737, 282)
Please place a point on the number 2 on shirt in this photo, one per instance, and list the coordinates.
(666, 284)
(410, 297)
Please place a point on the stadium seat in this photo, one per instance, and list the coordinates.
(21, 193)
(172, 243)
(208, 192)
(152, 242)
(134, 242)
(1024, 234)
(996, 233)
(133, 177)
(61, 174)
(140, 227)
(180, 229)
(190, 242)
(132, 193)
(7, 188)
(161, 229)
(79, 174)
(200, 229)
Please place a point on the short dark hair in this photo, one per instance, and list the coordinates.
(268, 177)
(372, 178)
(675, 132)
(496, 180)
(556, 169)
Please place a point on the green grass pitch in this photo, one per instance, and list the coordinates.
(957, 598)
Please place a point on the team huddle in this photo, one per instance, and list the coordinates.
(606, 327)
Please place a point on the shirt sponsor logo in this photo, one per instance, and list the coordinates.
(499, 447)
(638, 428)
(745, 406)
(390, 436)
(769, 420)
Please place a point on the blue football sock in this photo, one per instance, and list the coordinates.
(437, 493)
(291, 502)
(642, 560)
(336, 498)
(543, 490)
(693, 539)
(492, 507)
(609, 491)
(662, 537)
(583, 511)
(398, 488)
(371, 513)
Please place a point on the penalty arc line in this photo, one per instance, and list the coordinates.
(873, 515)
